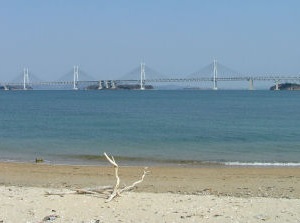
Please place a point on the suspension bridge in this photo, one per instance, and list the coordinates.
(143, 76)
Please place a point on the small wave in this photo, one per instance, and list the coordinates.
(130, 160)
(261, 164)
(142, 160)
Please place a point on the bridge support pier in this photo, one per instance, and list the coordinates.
(107, 84)
(113, 85)
(251, 86)
(215, 85)
(100, 87)
(277, 85)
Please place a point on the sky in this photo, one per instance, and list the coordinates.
(108, 39)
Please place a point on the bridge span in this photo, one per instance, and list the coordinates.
(210, 73)
(112, 84)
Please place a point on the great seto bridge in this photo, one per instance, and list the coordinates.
(143, 76)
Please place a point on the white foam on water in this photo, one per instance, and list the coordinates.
(260, 164)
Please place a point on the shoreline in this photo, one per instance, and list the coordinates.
(138, 161)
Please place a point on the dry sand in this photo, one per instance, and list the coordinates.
(168, 194)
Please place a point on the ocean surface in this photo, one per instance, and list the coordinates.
(156, 127)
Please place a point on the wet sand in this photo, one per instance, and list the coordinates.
(277, 182)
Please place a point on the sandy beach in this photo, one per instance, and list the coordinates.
(168, 194)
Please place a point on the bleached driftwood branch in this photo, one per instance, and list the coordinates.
(103, 190)
(116, 167)
(112, 192)
(135, 183)
(117, 192)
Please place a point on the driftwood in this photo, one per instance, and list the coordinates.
(117, 192)
(110, 192)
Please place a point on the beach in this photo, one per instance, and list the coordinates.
(167, 194)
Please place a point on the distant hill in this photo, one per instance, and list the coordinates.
(286, 86)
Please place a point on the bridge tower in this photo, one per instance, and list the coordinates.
(75, 77)
(215, 75)
(25, 78)
(143, 76)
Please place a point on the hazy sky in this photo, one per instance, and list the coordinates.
(109, 38)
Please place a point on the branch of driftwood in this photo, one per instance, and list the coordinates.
(108, 192)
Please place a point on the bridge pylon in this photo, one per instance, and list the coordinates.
(25, 78)
(143, 76)
(75, 77)
(215, 87)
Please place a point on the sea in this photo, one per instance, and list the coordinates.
(151, 127)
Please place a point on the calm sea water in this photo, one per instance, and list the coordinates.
(151, 127)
